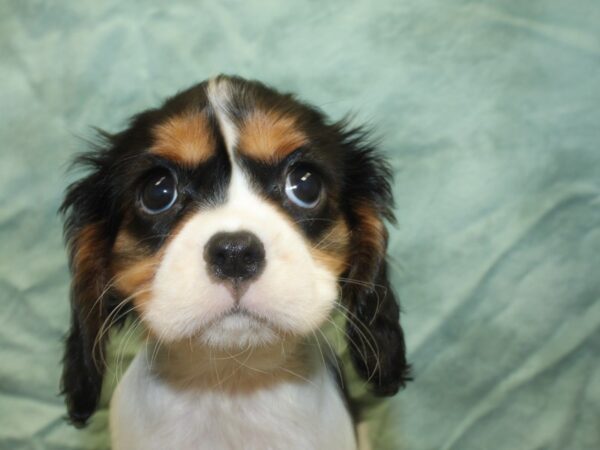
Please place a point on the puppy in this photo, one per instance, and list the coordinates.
(231, 223)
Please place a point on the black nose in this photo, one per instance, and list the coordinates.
(235, 256)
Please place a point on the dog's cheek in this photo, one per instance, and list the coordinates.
(331, 250)
(157, 284)
(287, 293)
(299, 288)
(133, 270)
(331, 261)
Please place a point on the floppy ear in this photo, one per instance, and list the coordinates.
(88, 235)
(92, 218)
(376, 339)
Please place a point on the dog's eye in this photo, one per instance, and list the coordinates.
(158, 192)
(303, 186)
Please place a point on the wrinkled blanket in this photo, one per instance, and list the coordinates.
(490, 114)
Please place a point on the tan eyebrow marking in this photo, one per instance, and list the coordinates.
(186, 138)
(269, 135)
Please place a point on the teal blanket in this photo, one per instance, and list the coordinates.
(490, 114)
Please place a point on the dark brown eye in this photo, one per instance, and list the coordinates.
(159, 191)
(303, 186)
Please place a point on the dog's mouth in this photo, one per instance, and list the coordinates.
(239, 327)
(240, 313)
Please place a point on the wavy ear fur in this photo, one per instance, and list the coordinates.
(92, 217)
(376, 339)
(89, 236)
(84, 351)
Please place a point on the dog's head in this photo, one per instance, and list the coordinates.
(232, 216)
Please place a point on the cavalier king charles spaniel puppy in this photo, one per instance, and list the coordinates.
(232, 222)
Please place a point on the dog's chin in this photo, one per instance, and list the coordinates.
(239, 329)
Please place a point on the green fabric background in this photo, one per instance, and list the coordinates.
(490, 113)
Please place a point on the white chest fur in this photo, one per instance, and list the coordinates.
(166, 405)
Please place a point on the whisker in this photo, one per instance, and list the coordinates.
(369, 339)
(319, 345)
(112, 282)
(113, 317)
(367, 284)
(120, 353)
(238, 368)
(157, 347)
(297, 375)
(337, 367)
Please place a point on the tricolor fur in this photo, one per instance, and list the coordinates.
(231, 362)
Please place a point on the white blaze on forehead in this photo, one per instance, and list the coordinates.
(219, 95)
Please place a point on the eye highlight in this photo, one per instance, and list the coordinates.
(303, 186)
(158, 193)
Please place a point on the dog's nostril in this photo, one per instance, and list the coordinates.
(234, 256)
(251, 255)
(220, 257)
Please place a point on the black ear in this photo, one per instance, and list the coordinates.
(86, 208)
(375, 337)
(93, 215)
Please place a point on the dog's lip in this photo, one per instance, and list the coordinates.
(251, 319)
(237, 310)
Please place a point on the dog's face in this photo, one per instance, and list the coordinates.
(234, 233)
(233, 216)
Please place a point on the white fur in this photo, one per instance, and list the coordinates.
(219, 95)
(151, 410)
(188, 392)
